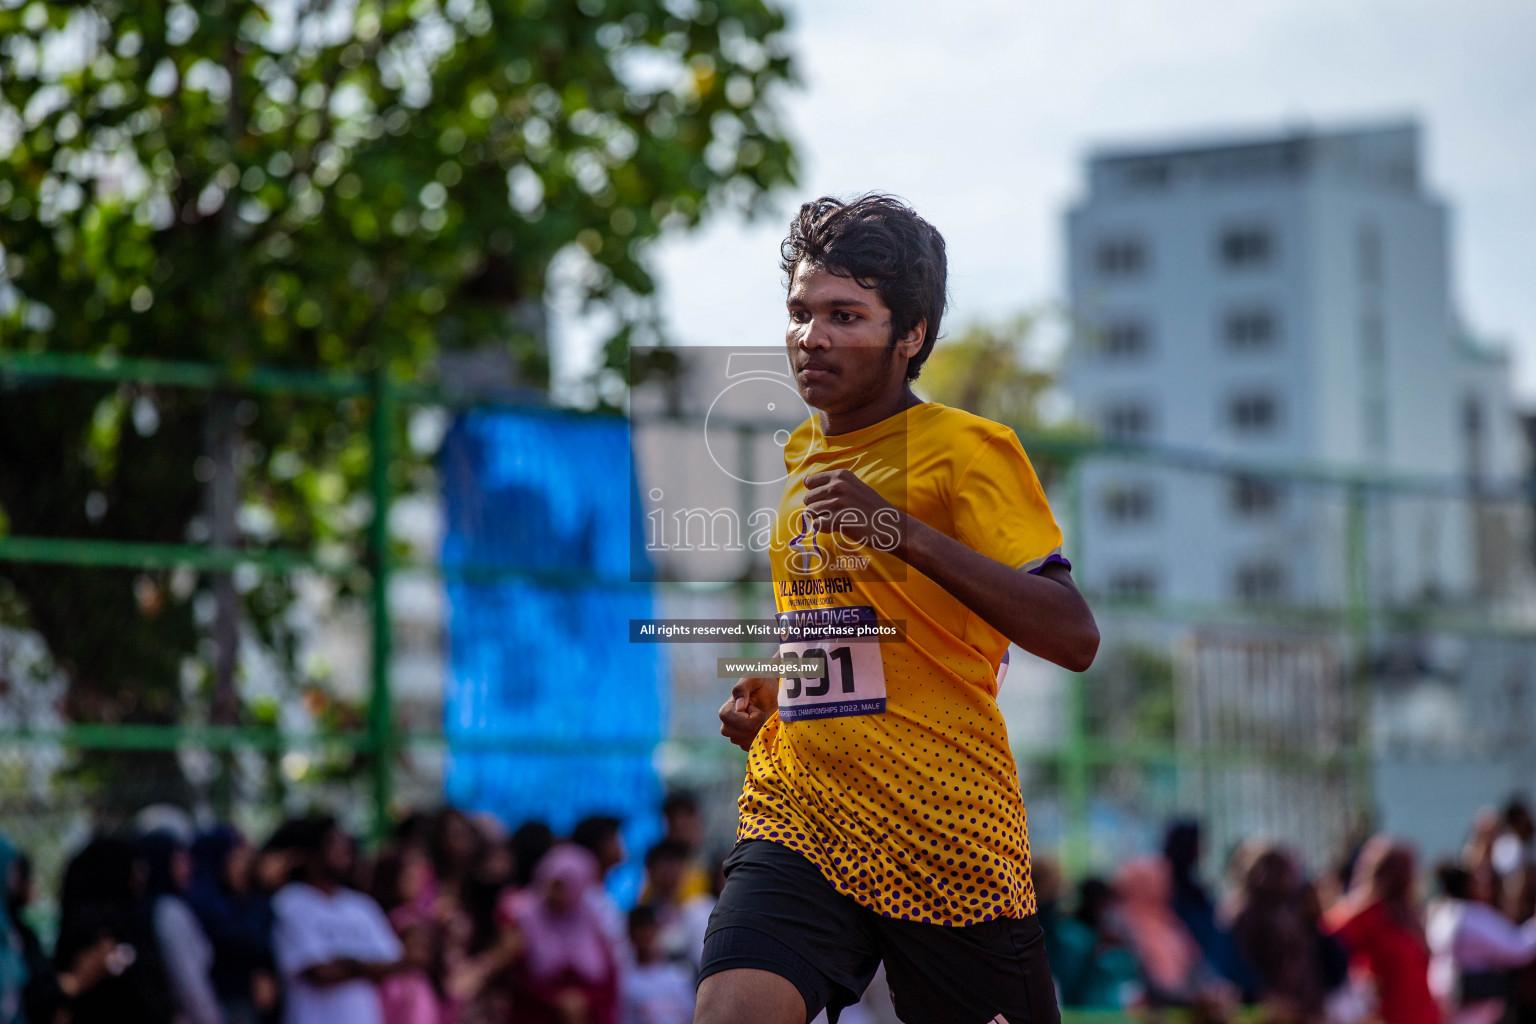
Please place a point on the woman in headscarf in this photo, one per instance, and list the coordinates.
(107, 957)
(568, 973)
(1194, 906)
(481, 895)
(236, 914)
(1174, 971)
(184, 946)
(1378, 923)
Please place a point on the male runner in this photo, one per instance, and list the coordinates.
(881, 818)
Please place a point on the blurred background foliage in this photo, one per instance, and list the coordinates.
(990, 369)
(319, 185)
(1134, 695)
(1008, 371)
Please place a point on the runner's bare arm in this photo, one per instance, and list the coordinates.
(1041, 612)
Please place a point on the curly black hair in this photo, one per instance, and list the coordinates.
(880, 242)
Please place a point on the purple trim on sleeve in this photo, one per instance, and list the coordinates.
(1051, 559)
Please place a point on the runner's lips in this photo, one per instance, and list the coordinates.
(815, 371)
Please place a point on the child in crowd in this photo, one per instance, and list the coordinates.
(656, 990)
(402, 883)
(680, 916)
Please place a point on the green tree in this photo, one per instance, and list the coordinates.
(1135, 696)
(316, 184)
(1000, 371)
(989, 369)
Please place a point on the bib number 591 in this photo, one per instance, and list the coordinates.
(851, 682)
(838, 661)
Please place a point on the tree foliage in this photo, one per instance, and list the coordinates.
(318, 184)
(1003, 372)
(987, 369)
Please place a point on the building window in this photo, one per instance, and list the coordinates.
(1152, 174)
(1247, 330)
(1126, 339)
(1133, 584)
(1472, 436)
(1120, 257)
(1255, 497)
(1126, 504)
(1128, 421)
(1254, 412)
(1246, 247)
(1377, 426)
(1373, 337)
(1368, 254)
(1259, 583)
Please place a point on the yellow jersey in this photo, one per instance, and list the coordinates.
(891, 770)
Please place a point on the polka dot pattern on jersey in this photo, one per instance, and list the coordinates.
(914, 812)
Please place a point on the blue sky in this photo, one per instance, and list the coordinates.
(979, 113)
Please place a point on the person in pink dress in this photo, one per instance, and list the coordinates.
(568, 970)
(402, 877)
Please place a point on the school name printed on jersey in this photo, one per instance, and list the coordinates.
(815, 586)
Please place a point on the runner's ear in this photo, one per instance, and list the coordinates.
(911, 343)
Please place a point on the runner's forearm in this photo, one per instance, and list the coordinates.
(1045, 616)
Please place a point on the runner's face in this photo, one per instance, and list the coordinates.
(839, 341)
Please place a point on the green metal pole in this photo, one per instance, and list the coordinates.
(1358, 615)
(1075, 781)
(1357, 562)
(381, 719)
(1074, 533)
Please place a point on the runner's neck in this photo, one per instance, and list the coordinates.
(868, 415)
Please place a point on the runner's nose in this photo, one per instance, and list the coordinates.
(814, 336)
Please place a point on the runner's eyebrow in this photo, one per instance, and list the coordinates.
(841, 301)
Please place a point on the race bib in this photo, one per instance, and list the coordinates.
(853, 682)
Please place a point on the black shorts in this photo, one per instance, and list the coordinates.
(778, 914)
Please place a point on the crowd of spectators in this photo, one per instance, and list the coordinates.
(453, 920)
(450, 921)
(1354, 945)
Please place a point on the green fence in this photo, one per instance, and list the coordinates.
(379, 740)
(1084, 762)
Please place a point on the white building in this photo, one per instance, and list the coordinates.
(1282, 300)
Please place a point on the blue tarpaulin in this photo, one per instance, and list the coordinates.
(541, 666)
